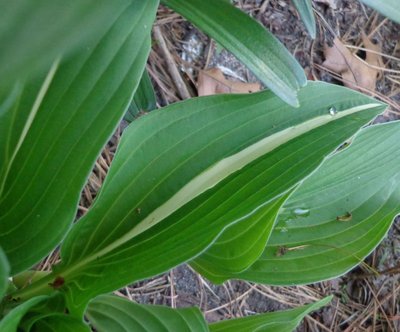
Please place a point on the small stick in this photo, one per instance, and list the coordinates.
(172, 288)
(179, 83)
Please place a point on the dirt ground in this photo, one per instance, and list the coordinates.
(367, 298)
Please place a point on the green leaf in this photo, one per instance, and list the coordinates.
(53, 305)
(43, 313)
(352, 199)
(77, 108)
(304, 7)
(8, 107)
(389, 8)
(17, 111)
(263, 181)
(249, 41)
(210, 138)
(283, 321)
(144, 98)
(4, 273)
(34, 33)
(10, 322)
(241, 243)
(112, 313)
(60, 322)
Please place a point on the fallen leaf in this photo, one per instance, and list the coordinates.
(338, 57)
(356, 73)
(373, 58)
(213, 82)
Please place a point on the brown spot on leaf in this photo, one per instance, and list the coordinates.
(280, 251)
(346, 217)
(57, 283)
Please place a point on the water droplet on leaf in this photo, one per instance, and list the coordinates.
(301, 212)
(333, 111)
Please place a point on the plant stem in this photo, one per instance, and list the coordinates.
(40, 287)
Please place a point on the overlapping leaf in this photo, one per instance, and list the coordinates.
(244, 241)
(351, 201)
(112, 313)
(41, 313)
(250, 42)
(122, 238)
(13, 318)
(389, 8)
(54, 145)
(305, 10)
(262, 181)
(60, 322)
(34, 33)
(280, 321)
(144, 98)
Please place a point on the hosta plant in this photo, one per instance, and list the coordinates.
(239, 186)
(389, 8)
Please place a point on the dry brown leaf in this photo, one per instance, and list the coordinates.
(356, 73)
(330, 3)
(373, 58)
(213, 82)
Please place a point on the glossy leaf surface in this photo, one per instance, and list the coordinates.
(241, 243)
(210, 138)
(262, 181)
(280, 321)
(250, 42)
(351, 199)
(78, 106)
(112, 313)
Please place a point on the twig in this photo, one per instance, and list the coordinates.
(172, 289)
(379, 303)
(178, 81)
(231, 302)
(390, 271)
